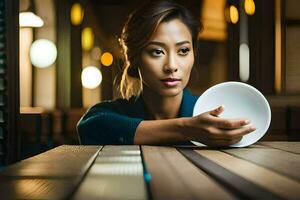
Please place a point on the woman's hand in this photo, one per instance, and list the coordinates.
(211, 130)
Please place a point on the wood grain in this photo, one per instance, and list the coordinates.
(238, 185)
(293, 147)
(117, 173)
(35, 188)
(174, 177)
(54, 174)
(270, 180)
(280, 161)
(63, 161)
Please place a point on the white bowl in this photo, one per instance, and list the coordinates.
(240, 101)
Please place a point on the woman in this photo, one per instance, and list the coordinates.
(159, 43)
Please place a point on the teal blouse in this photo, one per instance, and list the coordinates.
(115, 122)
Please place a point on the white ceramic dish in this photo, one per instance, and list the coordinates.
(240, 101)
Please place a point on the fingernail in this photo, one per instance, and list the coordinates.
(246, 121)
(253, 128)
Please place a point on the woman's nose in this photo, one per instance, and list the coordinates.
(171, 65)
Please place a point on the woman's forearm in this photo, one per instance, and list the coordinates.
(160, 131)
(207, 128)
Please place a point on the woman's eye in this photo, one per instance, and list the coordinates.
(156, 52)
(183, 51)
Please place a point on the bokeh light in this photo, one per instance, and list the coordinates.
(77, 14)
(87, 38)
(249, 7)
(29, 19)
(107, 59)
(244, 58)
(43, 53)
(91, 77)
(234, 14)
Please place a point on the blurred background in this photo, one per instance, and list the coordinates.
(59, 57)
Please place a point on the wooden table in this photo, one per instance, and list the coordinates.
(267, 170)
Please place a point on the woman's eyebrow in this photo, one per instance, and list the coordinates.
(163, 44)
(183, 42)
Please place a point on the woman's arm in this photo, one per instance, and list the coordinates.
(207, 128)
(103, 124)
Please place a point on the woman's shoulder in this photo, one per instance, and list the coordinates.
(120, 105)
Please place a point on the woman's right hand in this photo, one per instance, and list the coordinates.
(212, 130)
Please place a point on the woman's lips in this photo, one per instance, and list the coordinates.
(171, 82)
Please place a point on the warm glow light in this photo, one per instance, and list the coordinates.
(233, 14)
(249, 7)
(117, 168)
(96, 53)
(213, 20)
(227, 15)
(244, 62)
(29, 19)
(42, 53)
(29, 186)
(87, 38)
(107, 59)
(77, 14)
(91, 77)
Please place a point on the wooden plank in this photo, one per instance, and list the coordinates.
(174, 177)
(240, 186)
(63, 161)
(35, 188)
(280, 161)
(54, 174)
(270, 180)
(293, 147)
(116, 174)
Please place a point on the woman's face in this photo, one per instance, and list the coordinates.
(168, 58)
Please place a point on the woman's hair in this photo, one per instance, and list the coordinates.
(141, 24)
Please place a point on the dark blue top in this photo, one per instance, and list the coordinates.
(115, 122)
